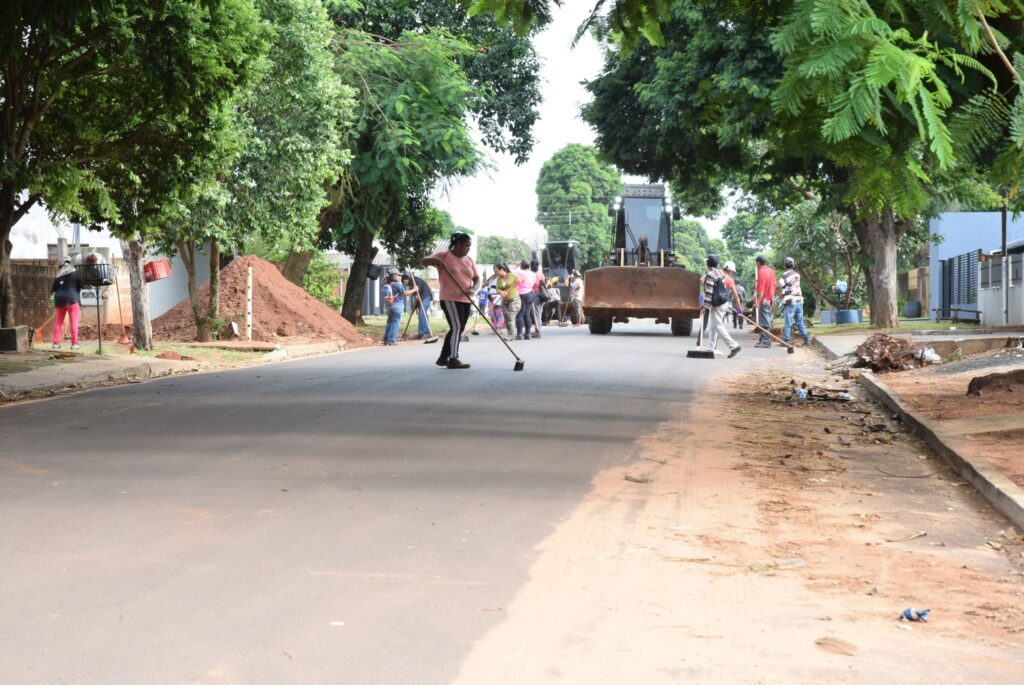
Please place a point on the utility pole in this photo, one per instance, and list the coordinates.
(1005, 267)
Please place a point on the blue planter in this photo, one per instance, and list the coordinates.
(848, 316)
(827, 317)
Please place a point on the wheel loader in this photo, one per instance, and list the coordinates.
(640, 278)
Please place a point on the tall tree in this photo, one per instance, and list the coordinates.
(411, 133)
(496, 249)
(574, 190)
(693, 244)
(748, 235)
(87, 82)
(288, 133)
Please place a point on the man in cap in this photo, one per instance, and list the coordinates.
(716, 302)
(792, 302)
(735, 302)
(393, 295)
(764, 295)
(422, 295)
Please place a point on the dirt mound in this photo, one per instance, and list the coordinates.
(280, 309)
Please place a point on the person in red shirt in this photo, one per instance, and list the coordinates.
(459, 280)
(764, 296)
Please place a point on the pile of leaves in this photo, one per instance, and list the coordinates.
(883, 352)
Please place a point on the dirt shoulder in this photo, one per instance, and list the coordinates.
(754, 540)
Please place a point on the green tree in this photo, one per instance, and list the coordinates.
(748, 235)
(323, 281)
(496, 249)
(693, 245)
(83, 84)
(289, 130)
(574, 190)
(411, 133)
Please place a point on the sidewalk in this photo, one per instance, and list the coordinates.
(975, 436)
(42, 372)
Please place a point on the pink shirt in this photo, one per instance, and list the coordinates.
(527, 279)
(463, 269)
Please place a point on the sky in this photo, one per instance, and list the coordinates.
(503, 201)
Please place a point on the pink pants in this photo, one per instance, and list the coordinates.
(73, 311)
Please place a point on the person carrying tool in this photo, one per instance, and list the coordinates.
(716, 301)
(737, 317)
(416, 286)
(792, 302)
(576, 296)
(511, 303)
(764, 296)
(735, 302)
(67, 301)
(394, 297)
(459, 279)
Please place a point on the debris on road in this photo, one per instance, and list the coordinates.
(837, 646)
(913, 536)
(915, 615)
(997, 381)
(634, 479)
(883, 352)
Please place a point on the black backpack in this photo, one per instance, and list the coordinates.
(719, 295)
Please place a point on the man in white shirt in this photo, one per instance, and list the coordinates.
(792, 302)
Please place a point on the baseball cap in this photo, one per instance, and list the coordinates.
(730, 266)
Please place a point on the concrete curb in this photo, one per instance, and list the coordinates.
(824, 348)
(141, 371)
(1002, 493)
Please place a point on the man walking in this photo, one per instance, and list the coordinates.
(576, 297)
(741, 293)
(792, 302)
(764, 295)
(393, 296)
(716, 301)
(414, 285)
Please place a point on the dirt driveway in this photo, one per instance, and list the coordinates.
(759, 540)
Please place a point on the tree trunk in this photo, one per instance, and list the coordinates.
(878, 237)
(296, 264)
(213, 301)
(187, 250)
(361, 260)
(6, 285)
(142, 328)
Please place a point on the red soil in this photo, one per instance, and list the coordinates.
(280, 309)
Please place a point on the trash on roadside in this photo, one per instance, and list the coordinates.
(883, 352)
(929, 355)
(634, 479)
(915, 615)
(844, 396)
(836, 646)
(801, 394)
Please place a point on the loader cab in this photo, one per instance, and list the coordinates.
(642, 226)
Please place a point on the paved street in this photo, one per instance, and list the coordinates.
(356, 517)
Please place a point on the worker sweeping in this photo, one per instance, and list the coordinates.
(716, 303)
(67, 301)
(459, 280)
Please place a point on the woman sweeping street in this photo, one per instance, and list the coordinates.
(67, 300)
(459, 279)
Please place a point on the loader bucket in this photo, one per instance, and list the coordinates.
(623, 292)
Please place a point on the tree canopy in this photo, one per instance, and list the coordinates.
(87, 83)
(496, 249)
(574, 191)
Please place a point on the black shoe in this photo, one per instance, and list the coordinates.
(519, 336)
(735, 351)
(526, 337)
(442, 361)
(454, 363)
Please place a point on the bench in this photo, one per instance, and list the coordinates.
(957, 315)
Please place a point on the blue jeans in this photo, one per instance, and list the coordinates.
(424, 331)
(524, 317)
(793, 313)
(764, 320)
(394, 317)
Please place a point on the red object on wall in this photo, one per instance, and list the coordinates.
(156, 269)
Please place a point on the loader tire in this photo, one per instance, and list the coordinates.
(600, 325)
(682, 327)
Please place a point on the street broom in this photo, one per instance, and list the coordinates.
(520, 364)
(700, 352)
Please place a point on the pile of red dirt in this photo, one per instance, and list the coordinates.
(280, 309)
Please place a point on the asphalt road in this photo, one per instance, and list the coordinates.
(359, 517)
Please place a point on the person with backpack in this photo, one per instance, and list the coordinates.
(792, 302)
(716, 301)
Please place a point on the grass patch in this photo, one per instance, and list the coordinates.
(906, 326)
(374, 326)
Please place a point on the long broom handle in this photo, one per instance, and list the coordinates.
(766, 331)
(477, 308)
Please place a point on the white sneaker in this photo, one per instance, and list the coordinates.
(55, 346)
(76, 346)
